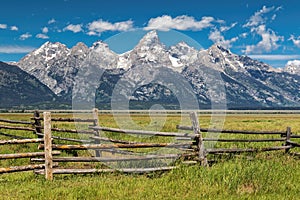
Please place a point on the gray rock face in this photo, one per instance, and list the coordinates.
(19, 89)
(153, 72)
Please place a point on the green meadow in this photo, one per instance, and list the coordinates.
(268, 175)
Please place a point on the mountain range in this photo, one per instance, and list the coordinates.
(151, 73)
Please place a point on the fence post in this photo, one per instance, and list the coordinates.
(97, 132)
(288, 137)
(199, 139)
(48, 146)
(37, 123)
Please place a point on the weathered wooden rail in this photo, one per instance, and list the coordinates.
(284, 136)
(191, 144)
(22, 155)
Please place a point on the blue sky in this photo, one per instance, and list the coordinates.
(266, 30)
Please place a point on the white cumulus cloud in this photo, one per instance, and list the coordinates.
(258, 26)
(269, 41)
(258, 18)
(14, 28)
(226, 28)
(217, 37)
(3, 26)
(45, 30)
(183, 22)
(51, 21)
(75, 28)
(99, 26)
(293, 62)
(25, 36)
(295, 40)
(42, 36)
(16, 49)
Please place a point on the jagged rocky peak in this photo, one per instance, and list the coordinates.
(217, 50)
(221, 59)
(182, 48)
(150, 42)
(79, 47)
(99, 45)
(150, 50)
(149, 39)
(52, 46)
(50, 50)
(183, 45)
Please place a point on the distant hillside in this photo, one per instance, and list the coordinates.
(19, 89)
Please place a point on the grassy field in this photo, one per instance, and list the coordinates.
(272, 175)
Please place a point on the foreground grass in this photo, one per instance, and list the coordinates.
(234, 179)
(253, 176)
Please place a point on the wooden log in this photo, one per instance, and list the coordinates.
(141, 132)
(124, 170)
(37, 123)
(110, 159)
(288, 137)
(15, 122)
(97, 132)
(48, 146)
(65, 119)
(25, 155)
(112, 146)
(296, 154)
(293, 144)
(233, 131)
(72, 120)
(16, 128)
(68, 139)
(24, 141)
(235, 150)
(21, 168)
(243, 132)
(119, 151)
(245, 140)
(113, 140)
(295, 136)
(183, 138)
(71, 131)
(199, 139)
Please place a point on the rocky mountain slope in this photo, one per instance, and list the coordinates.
(152, 72)
(17, 88)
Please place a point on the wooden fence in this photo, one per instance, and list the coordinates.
(52, 140)
(102, 145)
(274, 136)
(20, 140)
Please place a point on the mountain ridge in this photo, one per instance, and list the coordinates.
(246, 82)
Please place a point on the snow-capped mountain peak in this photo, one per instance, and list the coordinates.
(149, 39)
(99, 44)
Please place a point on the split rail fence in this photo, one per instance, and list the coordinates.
(93, 145)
